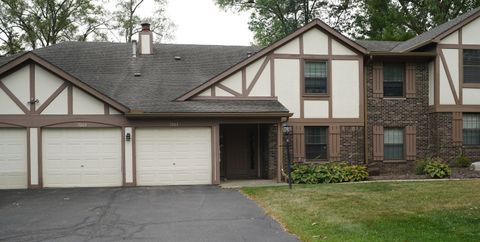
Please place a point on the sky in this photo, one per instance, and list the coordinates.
(202, 22)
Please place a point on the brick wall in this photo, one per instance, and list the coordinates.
(352, 144)
(400, 112)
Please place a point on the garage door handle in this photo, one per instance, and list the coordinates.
(81, 166)
(173, 163)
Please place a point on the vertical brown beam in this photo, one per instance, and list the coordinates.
(436, 80)
(32, 87)
(302, 86)
(215, 154)
(377, 143)
(106, 109)
(134, 155)
(70, 99)
(123, 160)
(411, 142)
(259, 157)
(410, 80)
(334, 142)
(279, 152)
(460, 66)
(457, 128)
(244, 81)
(378, 79)
(300, 41)
(29, 169)
(272, 76)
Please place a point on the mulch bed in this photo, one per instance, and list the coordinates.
(457, 173)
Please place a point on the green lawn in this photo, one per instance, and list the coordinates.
(402, 211)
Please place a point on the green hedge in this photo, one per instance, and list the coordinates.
(306, 173)
(433, 167)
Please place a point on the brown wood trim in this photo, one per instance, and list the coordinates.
(134, 155)
(14, 98)
(460, 72)
(471, 85)
(457, 128)
(106, 109)
(29, 159)
(457, 108)
(40, 156)
(459, 46)
(302, 86)
(237, 98)
(449, 77)
(272, 77)
(377, 79)
(279, 152)
(123, 160)
(32, 86)
(327, 121)
(317, 97)
(300, 43)
(436, 80)
(51, 98)
(460, 36)
(229, 90)
(334, 142)
(244, 81)
(362, 88)
(257, 75)
(458, 26)
(215, 154)
(410, 80)
(70, 99)
(316, 57)
(212, 90)
(298, 143)
(329, 77)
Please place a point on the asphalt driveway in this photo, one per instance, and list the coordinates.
(189, 213)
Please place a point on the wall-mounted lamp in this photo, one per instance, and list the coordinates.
(128, 137)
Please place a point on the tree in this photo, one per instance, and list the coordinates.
(128, 21)
(47, 22)
(9, 36)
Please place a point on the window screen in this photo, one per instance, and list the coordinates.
(471, 66)
(393, 79)
(393, 144)
(471, 128)
(316, 143)
(315, 73)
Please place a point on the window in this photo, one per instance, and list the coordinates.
(315, 73)
(471, 66)
(393, 79)
(471, 128)
(316, 143)
(393, 144)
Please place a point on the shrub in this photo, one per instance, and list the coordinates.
(420, 166)
(327, 173)
(463, 160)
(437, 169)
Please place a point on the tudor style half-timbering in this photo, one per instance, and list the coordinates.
(306, 72)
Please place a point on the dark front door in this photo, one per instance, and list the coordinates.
(239, 156)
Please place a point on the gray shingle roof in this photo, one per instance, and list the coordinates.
(433, 33)
(109, 68)
(378, 46)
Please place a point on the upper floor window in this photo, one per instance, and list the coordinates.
(316, 143)
(471, 128)
(393, 144)
(471, 66)
(393, 79)
(315, 73)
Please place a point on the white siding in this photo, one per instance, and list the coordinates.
(221, 93)
(19, 84)
(451, 57)
(292, 47)
(450, 39)
(470, 33)
(83, 103)
(59, 105)
(340, 49)
(45, 84)
(446, 95)
(252, 70)
(345, 89)
(7, 105)
(263, 86)
(315, 42)
(315, 109)
(287, 84)
(206, 93)
(113, 111)
(234, 82)
(471, 96)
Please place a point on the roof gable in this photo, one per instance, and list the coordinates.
(30, 56)
(283, 43)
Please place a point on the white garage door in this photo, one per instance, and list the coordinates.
(13, 158)
(174, 156)
(85, 157)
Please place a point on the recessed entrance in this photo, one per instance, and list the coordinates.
(246, 151)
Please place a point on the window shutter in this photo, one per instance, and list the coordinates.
(378, 143)
(457, 129)
(377, 79)
(334, 142)
(411, 142)
(298, 143)
(410, 80)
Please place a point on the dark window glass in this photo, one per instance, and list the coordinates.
(393, 79)
(471, 66)
(393, 144)
(316, 143)
(315, 73)
(471, 128)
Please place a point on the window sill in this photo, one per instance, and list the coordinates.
(471, 85)
(315, 96)
(394, 98)
(394, 161)
(476, 146)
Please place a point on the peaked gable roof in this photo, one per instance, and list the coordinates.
(435, 34)
(317, 23)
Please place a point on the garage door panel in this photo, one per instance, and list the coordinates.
(173, 156)
(82, 157)
(13, 158)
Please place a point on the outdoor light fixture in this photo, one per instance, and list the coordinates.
(287, 131)
(128, 137)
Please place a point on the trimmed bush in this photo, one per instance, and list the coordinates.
(463, 161)
(305, 173)
(437, 169)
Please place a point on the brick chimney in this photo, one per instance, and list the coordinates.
(145, 40)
